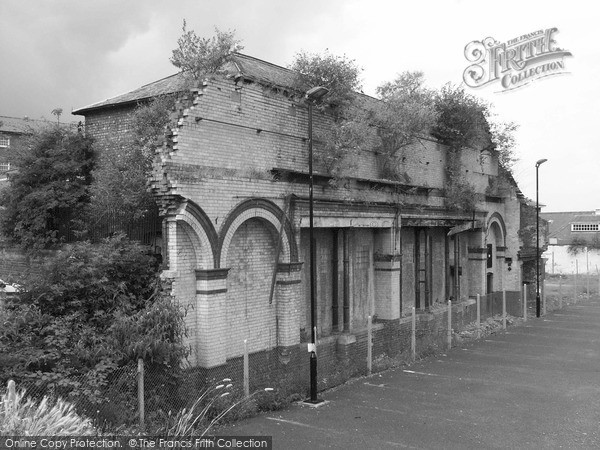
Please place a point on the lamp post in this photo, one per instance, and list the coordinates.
(537, 236)
(313, 96)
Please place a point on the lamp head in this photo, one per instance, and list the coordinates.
(316, 94)
(540, 162)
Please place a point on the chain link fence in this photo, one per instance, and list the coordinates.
(152, 397)
(146, 396)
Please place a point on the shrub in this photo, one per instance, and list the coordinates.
(93, 309)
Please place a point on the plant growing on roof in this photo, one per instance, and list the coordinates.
(124, 162)
(197, 56)
(405, 112)
(462, 123)
(339, 74)
(349, 131)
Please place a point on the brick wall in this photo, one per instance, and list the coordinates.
(219, 156)
(250, 316)
(339, 360)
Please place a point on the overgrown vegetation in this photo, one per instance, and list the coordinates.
(197, 57)
(92, 308)
(579, 245)
(339, 74)
(406, 112)
(54, 174)
(124, 162)
(21, 416)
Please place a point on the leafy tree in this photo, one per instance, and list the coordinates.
(54, 172)
(338, 148)
(125, 162)
(503, 138)
(339, 74)
(462, 119)
(405, 112)
(57, 112)
(462, 123)
(197, 56)
(91, 309)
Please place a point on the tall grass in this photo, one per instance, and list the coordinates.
(207, 411)
(26, 417)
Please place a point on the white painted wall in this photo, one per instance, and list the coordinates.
(560, 261)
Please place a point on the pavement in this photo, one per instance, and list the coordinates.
(534, 386)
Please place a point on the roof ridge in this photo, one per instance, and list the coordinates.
(243, 55)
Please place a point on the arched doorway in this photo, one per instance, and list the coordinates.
(251, 260)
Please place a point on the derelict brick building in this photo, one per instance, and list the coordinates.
(232, 183)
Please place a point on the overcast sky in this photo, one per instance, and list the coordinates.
(68, 54)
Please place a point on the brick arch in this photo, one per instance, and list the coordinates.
(496, 219)
(268, 212)
(206, 239)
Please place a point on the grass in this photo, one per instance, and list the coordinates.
(25, 417)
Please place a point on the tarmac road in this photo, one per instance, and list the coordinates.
(535, 386)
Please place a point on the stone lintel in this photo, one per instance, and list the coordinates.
(289, 267)
(212, 274)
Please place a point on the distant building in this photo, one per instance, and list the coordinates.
(573, 242)
(13, 132)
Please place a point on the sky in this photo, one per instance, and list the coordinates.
(72, 53)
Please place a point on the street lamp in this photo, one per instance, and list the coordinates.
(537, 236)
(313, 96)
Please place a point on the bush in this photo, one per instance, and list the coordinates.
(54, 174)
(93, 309)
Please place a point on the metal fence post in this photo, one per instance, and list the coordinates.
(449, 324)
(576, 278)
(141, 406)
(246, 369)
(413, 337)
(587, 272)
(504, 309)
(524, 302)
(369, 345)
(478, 316)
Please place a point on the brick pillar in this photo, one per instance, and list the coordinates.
(387, 286)
(477, 270)
(170, 247)
(211, 293)
(288, 298)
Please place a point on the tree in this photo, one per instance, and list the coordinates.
(54, 173)
(90, 309)
(57, 112)
(503, 138)
(198, 57)
(462, 119)
(124, 162)
(339, 74)
(406, 112)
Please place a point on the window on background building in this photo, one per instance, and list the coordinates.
(585, 227)
(4, 141)
(4, 167)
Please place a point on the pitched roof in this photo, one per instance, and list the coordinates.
(559, 224)
(240, 65)
(21, 125)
